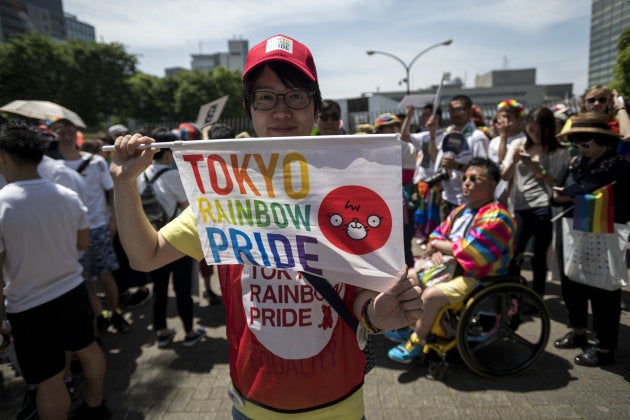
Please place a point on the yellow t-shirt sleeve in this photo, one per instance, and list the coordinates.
(182, 234)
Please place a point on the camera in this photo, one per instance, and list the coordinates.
(441, 175)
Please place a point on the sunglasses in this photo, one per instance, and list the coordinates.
(600, 99)
(329, 117)
(472, 178)
(583, 145)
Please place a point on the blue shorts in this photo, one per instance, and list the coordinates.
(100, 256)
(42, 334)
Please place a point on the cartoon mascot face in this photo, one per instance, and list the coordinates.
(355, 219)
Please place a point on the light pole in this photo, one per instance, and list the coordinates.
(408, 66)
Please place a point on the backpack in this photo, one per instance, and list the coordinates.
(152, 208)
(82, 167)
(84, 164)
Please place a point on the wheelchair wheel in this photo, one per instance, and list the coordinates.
(503, 329)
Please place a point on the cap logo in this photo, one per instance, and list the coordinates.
(279, 43)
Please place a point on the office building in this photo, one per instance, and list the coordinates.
(78, 30)
(42, 16)
(233, 59)
(608, 20)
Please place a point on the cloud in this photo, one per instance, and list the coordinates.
(148, 23)
(527, 33)
(513, 15)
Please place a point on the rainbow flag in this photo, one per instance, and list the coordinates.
(594, 212)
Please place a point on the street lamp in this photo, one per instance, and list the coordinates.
(408, 66)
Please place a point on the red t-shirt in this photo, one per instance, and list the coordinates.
(289, 350)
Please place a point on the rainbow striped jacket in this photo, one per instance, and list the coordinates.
(488, 245)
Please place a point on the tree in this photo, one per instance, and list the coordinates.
(145, 102)
(229, 83)
(99, 81)
(621, 71)
(87, 77)
(196, 88)
(32, 67)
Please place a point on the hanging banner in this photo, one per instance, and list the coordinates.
(327, 205)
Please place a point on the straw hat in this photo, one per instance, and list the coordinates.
(365, 129)
(589, 122)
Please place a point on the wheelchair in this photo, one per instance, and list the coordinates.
(499, 330)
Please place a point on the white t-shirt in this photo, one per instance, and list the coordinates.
(493, 154)
(168, 188)
(97, 180)
(57, 172)
(493, 147)
(39, 221)
(408, 157)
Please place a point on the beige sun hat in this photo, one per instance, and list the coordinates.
(588, 122)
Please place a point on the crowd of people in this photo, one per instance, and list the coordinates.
(536, 153)
(494, 190)
(90, 270)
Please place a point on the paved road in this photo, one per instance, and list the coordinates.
(144, 382)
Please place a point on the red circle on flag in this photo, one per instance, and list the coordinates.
(355, 219)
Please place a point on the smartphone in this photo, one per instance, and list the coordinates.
(525, 155)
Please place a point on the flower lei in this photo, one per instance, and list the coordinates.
(514, 106)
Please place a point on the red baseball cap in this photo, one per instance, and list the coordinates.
(282, 48)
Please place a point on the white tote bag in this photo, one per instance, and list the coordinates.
(595, 259)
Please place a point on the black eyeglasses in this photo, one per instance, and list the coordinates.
(333, 116)
(600, 99)
(264, 100)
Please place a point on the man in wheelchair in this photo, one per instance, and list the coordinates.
(479, 235)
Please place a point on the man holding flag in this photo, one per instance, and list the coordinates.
(597, 195)
(276, 370)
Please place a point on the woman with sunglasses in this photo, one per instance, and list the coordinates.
(598, 164)
(531, 166)
(601, 100)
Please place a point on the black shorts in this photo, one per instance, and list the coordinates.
(42, 334)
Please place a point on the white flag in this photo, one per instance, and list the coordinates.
(327, 205)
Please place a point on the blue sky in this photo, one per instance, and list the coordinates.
(550, 35)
